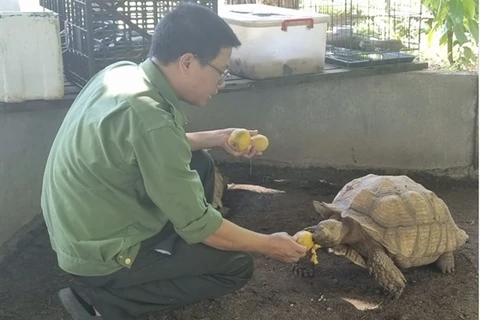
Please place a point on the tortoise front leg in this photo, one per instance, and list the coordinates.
(304, 267)
(350, 254)
(386, 272)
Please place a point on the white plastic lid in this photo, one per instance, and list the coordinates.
(260, 15)
(21, 7)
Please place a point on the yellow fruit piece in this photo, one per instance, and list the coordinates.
(305, 238)
(260, 142)
(314, 258)
(239, 140)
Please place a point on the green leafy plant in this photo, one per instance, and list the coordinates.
(457, 22)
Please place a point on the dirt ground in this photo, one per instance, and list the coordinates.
(269, 202)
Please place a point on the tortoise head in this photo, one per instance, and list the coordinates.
(329, 233)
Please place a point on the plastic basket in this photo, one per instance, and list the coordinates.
(101, 32)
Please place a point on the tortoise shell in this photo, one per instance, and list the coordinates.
(400, 214)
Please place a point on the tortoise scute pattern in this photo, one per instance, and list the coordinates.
(402, 215)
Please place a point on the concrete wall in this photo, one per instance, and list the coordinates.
(418, 120)
(25, 139)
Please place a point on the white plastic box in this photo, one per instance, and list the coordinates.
(31, 65)
(276, 42)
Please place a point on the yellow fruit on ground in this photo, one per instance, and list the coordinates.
(305, 238)
(239, 139)
(260, 142)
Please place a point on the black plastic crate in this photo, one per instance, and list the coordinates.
(364, 33)
(57, 6)
(101, 32)
(355, 58)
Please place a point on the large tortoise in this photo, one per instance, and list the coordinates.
(386, 223)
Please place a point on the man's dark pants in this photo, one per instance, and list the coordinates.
(158, 281)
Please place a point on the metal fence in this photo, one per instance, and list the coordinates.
(365, 32)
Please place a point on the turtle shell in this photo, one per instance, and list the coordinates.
(400, 214)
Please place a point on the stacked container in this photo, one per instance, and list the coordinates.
(276, 41)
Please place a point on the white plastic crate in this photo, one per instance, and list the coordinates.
(276, 41)
(31, 65)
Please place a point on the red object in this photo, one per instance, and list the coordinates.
(308, 21)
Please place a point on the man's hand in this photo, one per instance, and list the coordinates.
(223, 143)
(284, 248)
(279, 246)
(219, 139)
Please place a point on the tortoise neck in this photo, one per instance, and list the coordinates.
(351, 231)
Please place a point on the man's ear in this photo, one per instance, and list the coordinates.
(185, 62)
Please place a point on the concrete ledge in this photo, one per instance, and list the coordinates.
(234, 84)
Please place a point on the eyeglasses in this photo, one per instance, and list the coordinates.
(223, 74)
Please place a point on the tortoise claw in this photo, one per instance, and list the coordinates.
(446, 263)
(302, 271)
(304, 267)
(393, 295)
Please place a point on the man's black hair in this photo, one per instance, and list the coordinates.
(191, 28)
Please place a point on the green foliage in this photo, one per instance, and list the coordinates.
(457, 18)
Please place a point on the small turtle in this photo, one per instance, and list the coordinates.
(386, 223)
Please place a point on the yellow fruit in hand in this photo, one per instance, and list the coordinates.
(305, 238)
(260, 142)
(239, 139)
